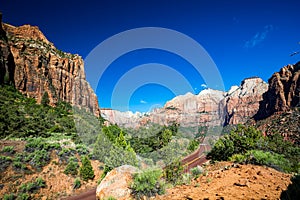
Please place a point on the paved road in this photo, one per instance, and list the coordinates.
(189, 162)
(88, 195)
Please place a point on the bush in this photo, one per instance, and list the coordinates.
(32, 187)
(196, 171)
(4, 162)
(173, 172)
(9, 197)
(72, 167)
(86, 170)
(8, 149)
(238, 141)
(77, 183)
(259, 157)
(193, 145)
(147, 183)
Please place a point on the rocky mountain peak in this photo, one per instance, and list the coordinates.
(242, 102)
(35, 67)
(283, 92)
(27, 32)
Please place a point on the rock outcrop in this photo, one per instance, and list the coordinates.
(116, 183)
(283, 92)
(241, 103)
(190, 110)
(35, 67)
(123, 119)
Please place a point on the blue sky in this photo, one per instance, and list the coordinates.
(244, 38)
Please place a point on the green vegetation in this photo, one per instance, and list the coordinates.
(246, 144)
(196, 172)
(86, 170)
(193, 145)
(173, 172)
(259, 157)
(152, 138)
(4, 162)
(21, 117)
(147, 183)
(77, 183)
(8, 149)
(45, 99)
(32, 187)
(72, 167)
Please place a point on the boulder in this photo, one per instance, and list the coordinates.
(117, 183)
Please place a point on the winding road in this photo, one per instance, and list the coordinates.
(193, 160)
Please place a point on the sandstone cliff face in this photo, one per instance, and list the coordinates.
(241, 103)
(124, 119)
(283, 92)
(35, 66)
(208, 108)
(191, 110)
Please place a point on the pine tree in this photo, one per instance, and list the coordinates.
(86, 169)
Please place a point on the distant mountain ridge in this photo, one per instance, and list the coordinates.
(208, 108)
(35, 67)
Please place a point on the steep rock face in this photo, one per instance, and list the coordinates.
(124, 119)
(191, 110)
(35, 66)
(7, 64)
(241, 103)
(283, 92)
(208, 108)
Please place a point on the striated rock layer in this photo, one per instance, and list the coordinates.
(208, 108)
(35, 66)
(283, 92)
(241, 103)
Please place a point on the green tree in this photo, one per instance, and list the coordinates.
(240, 140)
(86, 170)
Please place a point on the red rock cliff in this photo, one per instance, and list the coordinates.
(283, 92)
(35, 66)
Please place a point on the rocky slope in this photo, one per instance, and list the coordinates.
(32, 63)
(225, 180)
(283, 92)
(241, 103)
(208, 108)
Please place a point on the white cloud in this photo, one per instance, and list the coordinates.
(143, 102)
(204, 85)
(259, 37)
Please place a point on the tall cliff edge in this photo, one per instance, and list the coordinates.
(34, 66)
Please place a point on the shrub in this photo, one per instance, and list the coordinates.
(196, 171)
(77, 183)
(147, 183)
(32, 187)
(72, 167)
(238, 141)
(259, 157)
(9, 197)
(4, 162)
(8, 149)
(86, 170)
(23, 196)
(39, 158)
(173, 172)
(193, 145)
